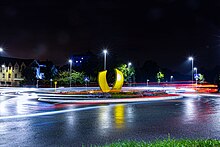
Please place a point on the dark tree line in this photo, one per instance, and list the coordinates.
(91, 67)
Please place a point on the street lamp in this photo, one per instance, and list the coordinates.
(196, 77)
(129, 64)
(171, 78)
(147, 82)
(1, 49)
(51, 83)
(70, 61)
(129, 78)
(105, 52)
(191, 59)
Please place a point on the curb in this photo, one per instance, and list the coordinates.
(104, 101)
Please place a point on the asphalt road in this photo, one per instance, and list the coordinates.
(76, 125)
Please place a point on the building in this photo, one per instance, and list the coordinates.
(80, 59)
(11, 70)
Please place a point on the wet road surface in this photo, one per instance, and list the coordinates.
(191, 117)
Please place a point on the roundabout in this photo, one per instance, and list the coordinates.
(107, 98)
(73, 124)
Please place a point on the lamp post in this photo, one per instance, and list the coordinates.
(70, 61)
(105, 52)
(191, 59)
(171, 78)
(129, 64)
(147, 82)
(51, 83)
(1, 49)
(196, 77)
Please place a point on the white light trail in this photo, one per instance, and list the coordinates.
(49, 113)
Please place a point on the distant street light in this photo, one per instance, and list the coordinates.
(191, 59)
(51, 84)
(129, 78)
(196, 76)
(105, 52)
(171, 78)
(129, 64)
(70, 61)
(147, 82)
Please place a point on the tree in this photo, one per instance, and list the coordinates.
(63, 78)
(29, 74)
(128, 72)
(77, 77)
(160, 76)
(50, 72)
(201, 78)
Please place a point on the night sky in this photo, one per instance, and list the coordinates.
(166, 31)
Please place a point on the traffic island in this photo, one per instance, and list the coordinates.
(98, 97)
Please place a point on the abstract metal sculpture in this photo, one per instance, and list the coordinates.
(103, 84)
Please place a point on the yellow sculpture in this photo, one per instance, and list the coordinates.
(118, 81)
(103, 84)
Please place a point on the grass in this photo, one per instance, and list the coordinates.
(122, 94)
(168, 143)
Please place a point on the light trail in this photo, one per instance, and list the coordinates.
(34, 96)
(49, 113)
(65, 111)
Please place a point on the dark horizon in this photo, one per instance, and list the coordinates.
(163, 31)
